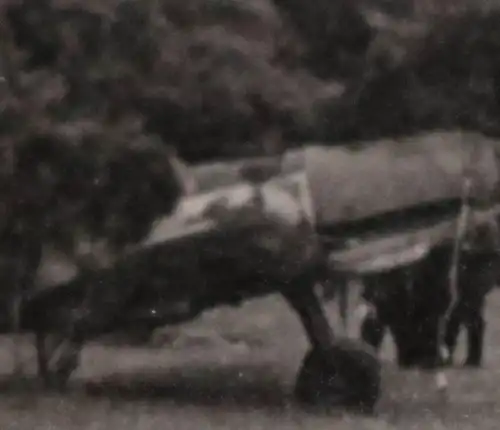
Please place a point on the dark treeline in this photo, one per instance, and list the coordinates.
(95, 94)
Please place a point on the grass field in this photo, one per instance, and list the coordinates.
(234, 369)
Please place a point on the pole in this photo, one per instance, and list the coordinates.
(462, 225)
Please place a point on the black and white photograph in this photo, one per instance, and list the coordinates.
(249, 214)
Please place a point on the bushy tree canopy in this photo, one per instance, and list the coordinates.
(94, 93)
(448, 78)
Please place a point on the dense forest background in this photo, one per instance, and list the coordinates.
(96, 95)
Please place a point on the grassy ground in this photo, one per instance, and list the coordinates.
(235, 370)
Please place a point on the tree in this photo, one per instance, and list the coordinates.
(89, 84)
(448, 78)
(335, 35)
(193, 77)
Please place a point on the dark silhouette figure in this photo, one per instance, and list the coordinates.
(409, 303)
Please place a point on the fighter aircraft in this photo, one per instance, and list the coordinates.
(283, 226)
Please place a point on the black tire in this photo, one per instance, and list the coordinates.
(347, 376)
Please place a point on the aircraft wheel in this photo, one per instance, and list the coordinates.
(347, 375)
(57, 358)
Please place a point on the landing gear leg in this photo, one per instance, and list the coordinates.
(57, 357)
(335, 372)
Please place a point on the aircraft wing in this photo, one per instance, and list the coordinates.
(385, 252)
(351, 184)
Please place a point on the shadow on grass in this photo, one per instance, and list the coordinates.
(253, 386)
